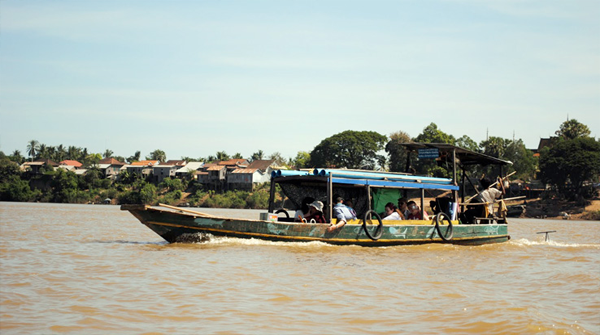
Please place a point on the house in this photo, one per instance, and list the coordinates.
(143, 168)
(191, 167)
(68, 162)
(245, 178)
(35, 166)
(110, 167)
(216, 177)
(166, 170)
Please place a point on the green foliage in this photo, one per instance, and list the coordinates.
(431, 134)
(172, 184)
(570, 162)
(572, 129)
(350, 149)
(13, 188)
(396, 151)
(157, 155)
(258, 199)
(302, 160)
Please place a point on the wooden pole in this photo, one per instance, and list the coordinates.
(187, 211)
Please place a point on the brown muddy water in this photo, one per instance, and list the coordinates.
(93, 269)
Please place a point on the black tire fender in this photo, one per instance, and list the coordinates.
(378, 230)
(281, 210)
(439, 218)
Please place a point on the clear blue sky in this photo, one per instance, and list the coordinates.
(195, 77)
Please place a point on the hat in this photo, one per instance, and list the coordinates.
(318, 205)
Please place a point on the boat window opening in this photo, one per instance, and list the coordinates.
(295, 192)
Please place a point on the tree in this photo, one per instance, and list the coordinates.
(222, 156)
(467, 143)
(431, 134)
(279, 160)
(572, 129)
(570, 162)
(523, 161)
(396, 151)
(108, 153)
(495, 146)
(350, 149)
(32, 148)
(157, 155)
(134, 158)
(257, 155)
(17, 157)
(237, 156)
(302, 160)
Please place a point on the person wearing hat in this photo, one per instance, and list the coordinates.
(342, 213)
(315, 213)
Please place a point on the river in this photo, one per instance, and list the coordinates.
(93, 269)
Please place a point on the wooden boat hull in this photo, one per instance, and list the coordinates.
(183, 227)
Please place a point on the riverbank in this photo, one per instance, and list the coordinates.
(561, 209)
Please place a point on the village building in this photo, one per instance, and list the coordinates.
(110, 167)
(166, 170)
(246, 178)
(142, 168)
(191, 169)
(36, 166)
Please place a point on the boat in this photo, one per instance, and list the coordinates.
(369, 192)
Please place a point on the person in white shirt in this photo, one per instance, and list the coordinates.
(392, 213)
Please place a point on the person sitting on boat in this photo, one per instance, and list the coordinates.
(415, 212)
(392, 213)
(342, 213)
(403, 208)
(315, 214)
(302, 212)
(349, 204)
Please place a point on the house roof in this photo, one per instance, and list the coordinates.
(144, 163)
(111, 161)
(261, 164)
(235, 161)
(46, 162)
(246, 170)
(190, 166)
(215, 168)
(71, 163)
(174, 162)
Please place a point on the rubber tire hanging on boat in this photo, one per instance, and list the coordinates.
(281, 210)
(378, 231)
(440, 217)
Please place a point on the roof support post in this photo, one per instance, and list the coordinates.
(329, 198)
(454, 180)
(272, 196)
(422, 202)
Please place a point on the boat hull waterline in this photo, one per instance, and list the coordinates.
(174, 226)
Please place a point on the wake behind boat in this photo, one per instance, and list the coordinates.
(369, 192)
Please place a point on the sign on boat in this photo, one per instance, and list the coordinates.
(369, 192)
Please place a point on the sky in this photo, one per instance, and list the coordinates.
(192, 78)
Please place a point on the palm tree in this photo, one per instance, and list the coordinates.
(32, 148)
(17, 157)
(108, 153)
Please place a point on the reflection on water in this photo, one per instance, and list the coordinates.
(95, 269)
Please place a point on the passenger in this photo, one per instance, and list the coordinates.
(342, 213)
(303, 210)
(392, 213)
(316, 213)
(350, 206)
(415, 212)
(403, 208)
